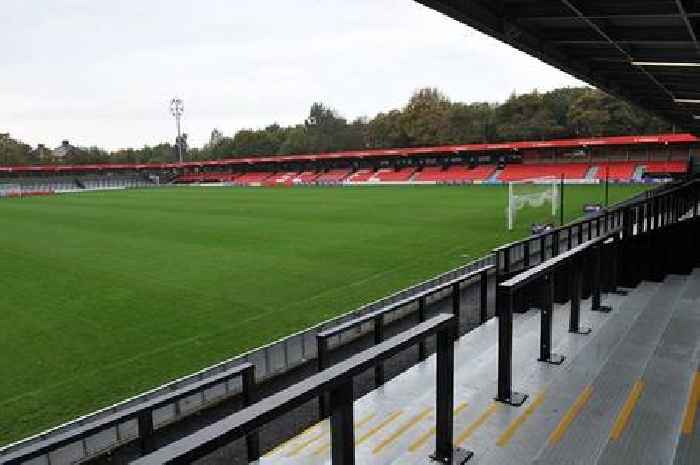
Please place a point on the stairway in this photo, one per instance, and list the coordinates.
(620, 397)
(592, 172)
(494, 176)
(639, 172)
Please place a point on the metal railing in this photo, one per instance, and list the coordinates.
(542, 275)
(377, 317)
(143, 413)
(338, 382)
(645, 232)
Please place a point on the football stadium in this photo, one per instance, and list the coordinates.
(505, 302)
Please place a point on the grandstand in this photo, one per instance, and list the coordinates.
(622, 159)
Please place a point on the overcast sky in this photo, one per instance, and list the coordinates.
(102, 72)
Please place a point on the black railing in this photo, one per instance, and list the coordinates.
(144, 414)
(543, 276)
(377, 317)
(645, 235)
(338, 382)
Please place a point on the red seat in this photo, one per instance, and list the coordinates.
(534, 171)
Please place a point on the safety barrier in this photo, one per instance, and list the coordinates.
(377, 317)
(337, 381)
(143, 414)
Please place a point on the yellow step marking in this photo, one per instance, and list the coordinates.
(304, 444)
(693, 401)
(327, 445)
(293, 440)
(518, 422)
(410, 424)
(476, 424)
(423, 438)
(377, 428)
(570, 415)
(626, 411)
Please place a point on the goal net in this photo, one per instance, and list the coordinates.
(10, 190)
(533, 200)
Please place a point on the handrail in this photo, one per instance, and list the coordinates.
(142, 411)
(377, 319)
(545, 272)
(615, 209)
(531, 274)
(338, 380)
(400, 303)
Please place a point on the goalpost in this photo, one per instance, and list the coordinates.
(532, 193)
(10, 190)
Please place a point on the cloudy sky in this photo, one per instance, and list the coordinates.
(102, 72)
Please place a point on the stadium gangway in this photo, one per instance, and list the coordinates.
(542, 275)
(649, 231)
(376, 318)
(144, 414)
(338, 382)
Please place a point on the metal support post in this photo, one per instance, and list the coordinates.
(248, 390)
(505, 352)
(445, 452)
(378, 339)
(457, 304)
(321, 364)
(546, 314)
(422, 349)
(596, 291)
(484, 298)
(342, 428)
(575, 274)
(146, 432)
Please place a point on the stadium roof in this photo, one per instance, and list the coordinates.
(660, 139)
(645, 51)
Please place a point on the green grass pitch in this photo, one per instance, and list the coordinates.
(108, 294)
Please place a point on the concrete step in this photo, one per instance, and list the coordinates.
(583, 431)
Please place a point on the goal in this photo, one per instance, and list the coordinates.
(10, 190)
(541, 194)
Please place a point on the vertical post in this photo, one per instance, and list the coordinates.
(422, 349)
(342, 428)
(590, 230)
(614, 257)
(506, 260)
(580, 233)
(484, 297)
(595, 290)
(444, 401)
(546, 311)
(543, 246)
(248, 389)
(526, 253)
(378, 339)
(146, 432)
(575, 290)
(321, 364)
(569, 239)
(555, 243)
(505, 350)
(457, 304)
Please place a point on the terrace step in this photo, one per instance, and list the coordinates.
(394, 422)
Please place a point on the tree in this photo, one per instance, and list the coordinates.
(425, 119)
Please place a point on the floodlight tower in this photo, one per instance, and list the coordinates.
(177, 109)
